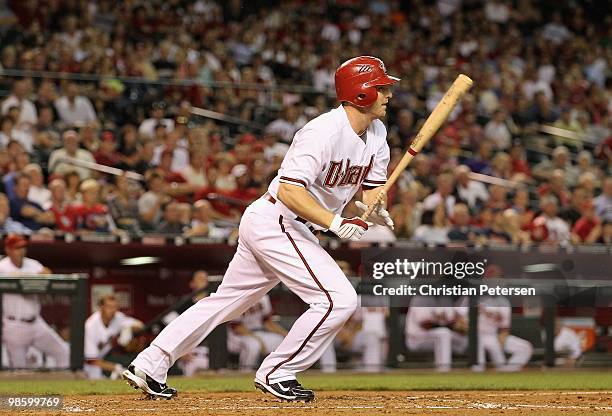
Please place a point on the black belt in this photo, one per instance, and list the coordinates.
(272, 200)
(27, 321)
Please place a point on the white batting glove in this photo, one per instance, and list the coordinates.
(379, 216)
(346, 228)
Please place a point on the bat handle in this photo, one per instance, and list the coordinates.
(372, 207)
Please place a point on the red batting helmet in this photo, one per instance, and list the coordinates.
(357, 79)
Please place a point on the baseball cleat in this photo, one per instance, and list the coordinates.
(290, 390)
(154, 390)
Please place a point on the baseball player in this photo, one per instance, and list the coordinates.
(494, 339)
(364, 333)
(23, 327)
(103, 329)
(433, 324)
(330, 158)
(254, 333)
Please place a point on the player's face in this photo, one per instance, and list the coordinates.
(379, 108)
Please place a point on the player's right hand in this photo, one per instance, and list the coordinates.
(346, 228)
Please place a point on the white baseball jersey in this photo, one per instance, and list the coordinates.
(98, 335)
(329, 159)
(495, 315)
(16, 305)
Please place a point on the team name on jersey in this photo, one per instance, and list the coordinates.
(341, 173)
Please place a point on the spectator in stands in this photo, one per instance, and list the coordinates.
(604, 233)
(180, 155)
(70, 149)
(498, 197)
(285, 126)
(434, 227)
(574, 210)
(171, 222)
(422, 173)
(445, 184)
(555, 186)
(520, 165)
(603, 203)
(497, 131)
(123, 205)
(461, 229)
(158, 111)
(585, 229)
(512, 226)
(38, 192)
(406, 213)
(65, 217)
(479, 163)
(106, 153)
(29, 213)
(151, 202)
(91, 215)
(548, 226)
(472, 192)
(75, 110)
(28, 116)
(7, 224)
(202, 224)
(195, 172)
(560, 160)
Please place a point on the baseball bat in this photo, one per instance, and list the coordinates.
(437, 117)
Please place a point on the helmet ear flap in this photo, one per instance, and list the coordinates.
(366, 97)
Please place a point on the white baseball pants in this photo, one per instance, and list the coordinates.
(18, 336)
(519, 349)
(442, 341)
(271, 248)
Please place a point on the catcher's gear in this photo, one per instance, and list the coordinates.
(357, 79)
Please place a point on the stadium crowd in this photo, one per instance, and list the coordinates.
(114, 83)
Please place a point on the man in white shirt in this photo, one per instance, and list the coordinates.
(474, 193)
(38, 192)
(104, 329)
(147, 127)
(19, 98)
(443, 195)
(286, 126)
(23, 327)
(75, 110)
(71, 149)
(558, 229)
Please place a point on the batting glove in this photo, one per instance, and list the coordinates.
(346, 228)
(379, 216)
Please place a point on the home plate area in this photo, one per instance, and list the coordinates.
(350, 403)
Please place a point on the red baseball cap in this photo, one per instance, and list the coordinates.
(15, 241)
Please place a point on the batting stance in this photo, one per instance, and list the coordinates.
(330, 158)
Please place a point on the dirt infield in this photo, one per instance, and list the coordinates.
(346, 403)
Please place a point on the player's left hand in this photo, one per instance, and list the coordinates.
(379, 216)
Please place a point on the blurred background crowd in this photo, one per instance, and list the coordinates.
(114, 83)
